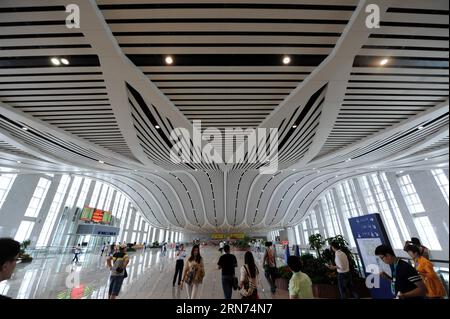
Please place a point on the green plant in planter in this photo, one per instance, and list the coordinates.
(284, 272)
(242, 243)
(155, 244)
(25, 258)
(316, 242)
(315, 268)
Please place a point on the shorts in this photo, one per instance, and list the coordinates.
(115, 284)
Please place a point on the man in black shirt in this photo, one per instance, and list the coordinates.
(227, 262)
(405, 280)
(9, 255)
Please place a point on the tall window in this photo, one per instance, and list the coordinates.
(73, 191)
(345, 208)
(421, 220)
(394, 205)
(24, 230)
(409, 193)
(6, 182)
(107, 205)
(426, 232)
(368, 196)
(333, 213)
(95, 193)
(101, 200)
(38, 198)
(84, 190)
(440, 177)
(50, 220)
(386, 212)
(305, 231)
(353, 203)
(297, 236)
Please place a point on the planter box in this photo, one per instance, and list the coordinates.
(325, 291)
(282, 283)
(332, 291)
(361, 289)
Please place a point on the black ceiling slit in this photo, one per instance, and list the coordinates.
(302, 114)
(148, 113)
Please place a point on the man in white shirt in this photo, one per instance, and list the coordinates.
(342, 267)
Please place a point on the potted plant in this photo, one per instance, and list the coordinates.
(243, 244)
(25, 258)
(155, 245)
(283, 276)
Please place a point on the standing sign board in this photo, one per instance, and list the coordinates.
(369, 232)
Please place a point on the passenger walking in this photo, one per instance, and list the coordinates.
(344, 275)
(270, 266)
(424, 251)
(227, 262)
(435, 288)
(76, 252)
(103, 249)
(9, 256)
(405, 281)
(221, 245)
(249, 278)
(180, 255)
(117, 264)
(112, 249)
(193, 273)
(300, 285)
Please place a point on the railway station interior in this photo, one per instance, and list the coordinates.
(308, 138)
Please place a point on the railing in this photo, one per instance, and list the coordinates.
(41, 252)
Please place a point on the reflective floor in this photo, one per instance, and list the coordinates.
(150, 276)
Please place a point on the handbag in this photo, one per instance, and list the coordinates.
(249, 287)
(190, 275)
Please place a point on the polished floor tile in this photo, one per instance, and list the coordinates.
(150, 276)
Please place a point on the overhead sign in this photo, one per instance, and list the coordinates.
(228, 236)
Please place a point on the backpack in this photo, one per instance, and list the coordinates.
(118, 266)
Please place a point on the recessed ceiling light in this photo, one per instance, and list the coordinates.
(401, 172)
(336, 176)
(101, 162)
(286, 60)
(420, 127)
(157, 127)
(348, 159)
(135, 170)
(55, 61)
(294, 126)
(169, 59)
(426, 158)
(19, 162)
(384, 62)
(25, 128)
(65, 61)
(294, 169)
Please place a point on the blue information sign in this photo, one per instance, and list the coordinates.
(369, 232)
